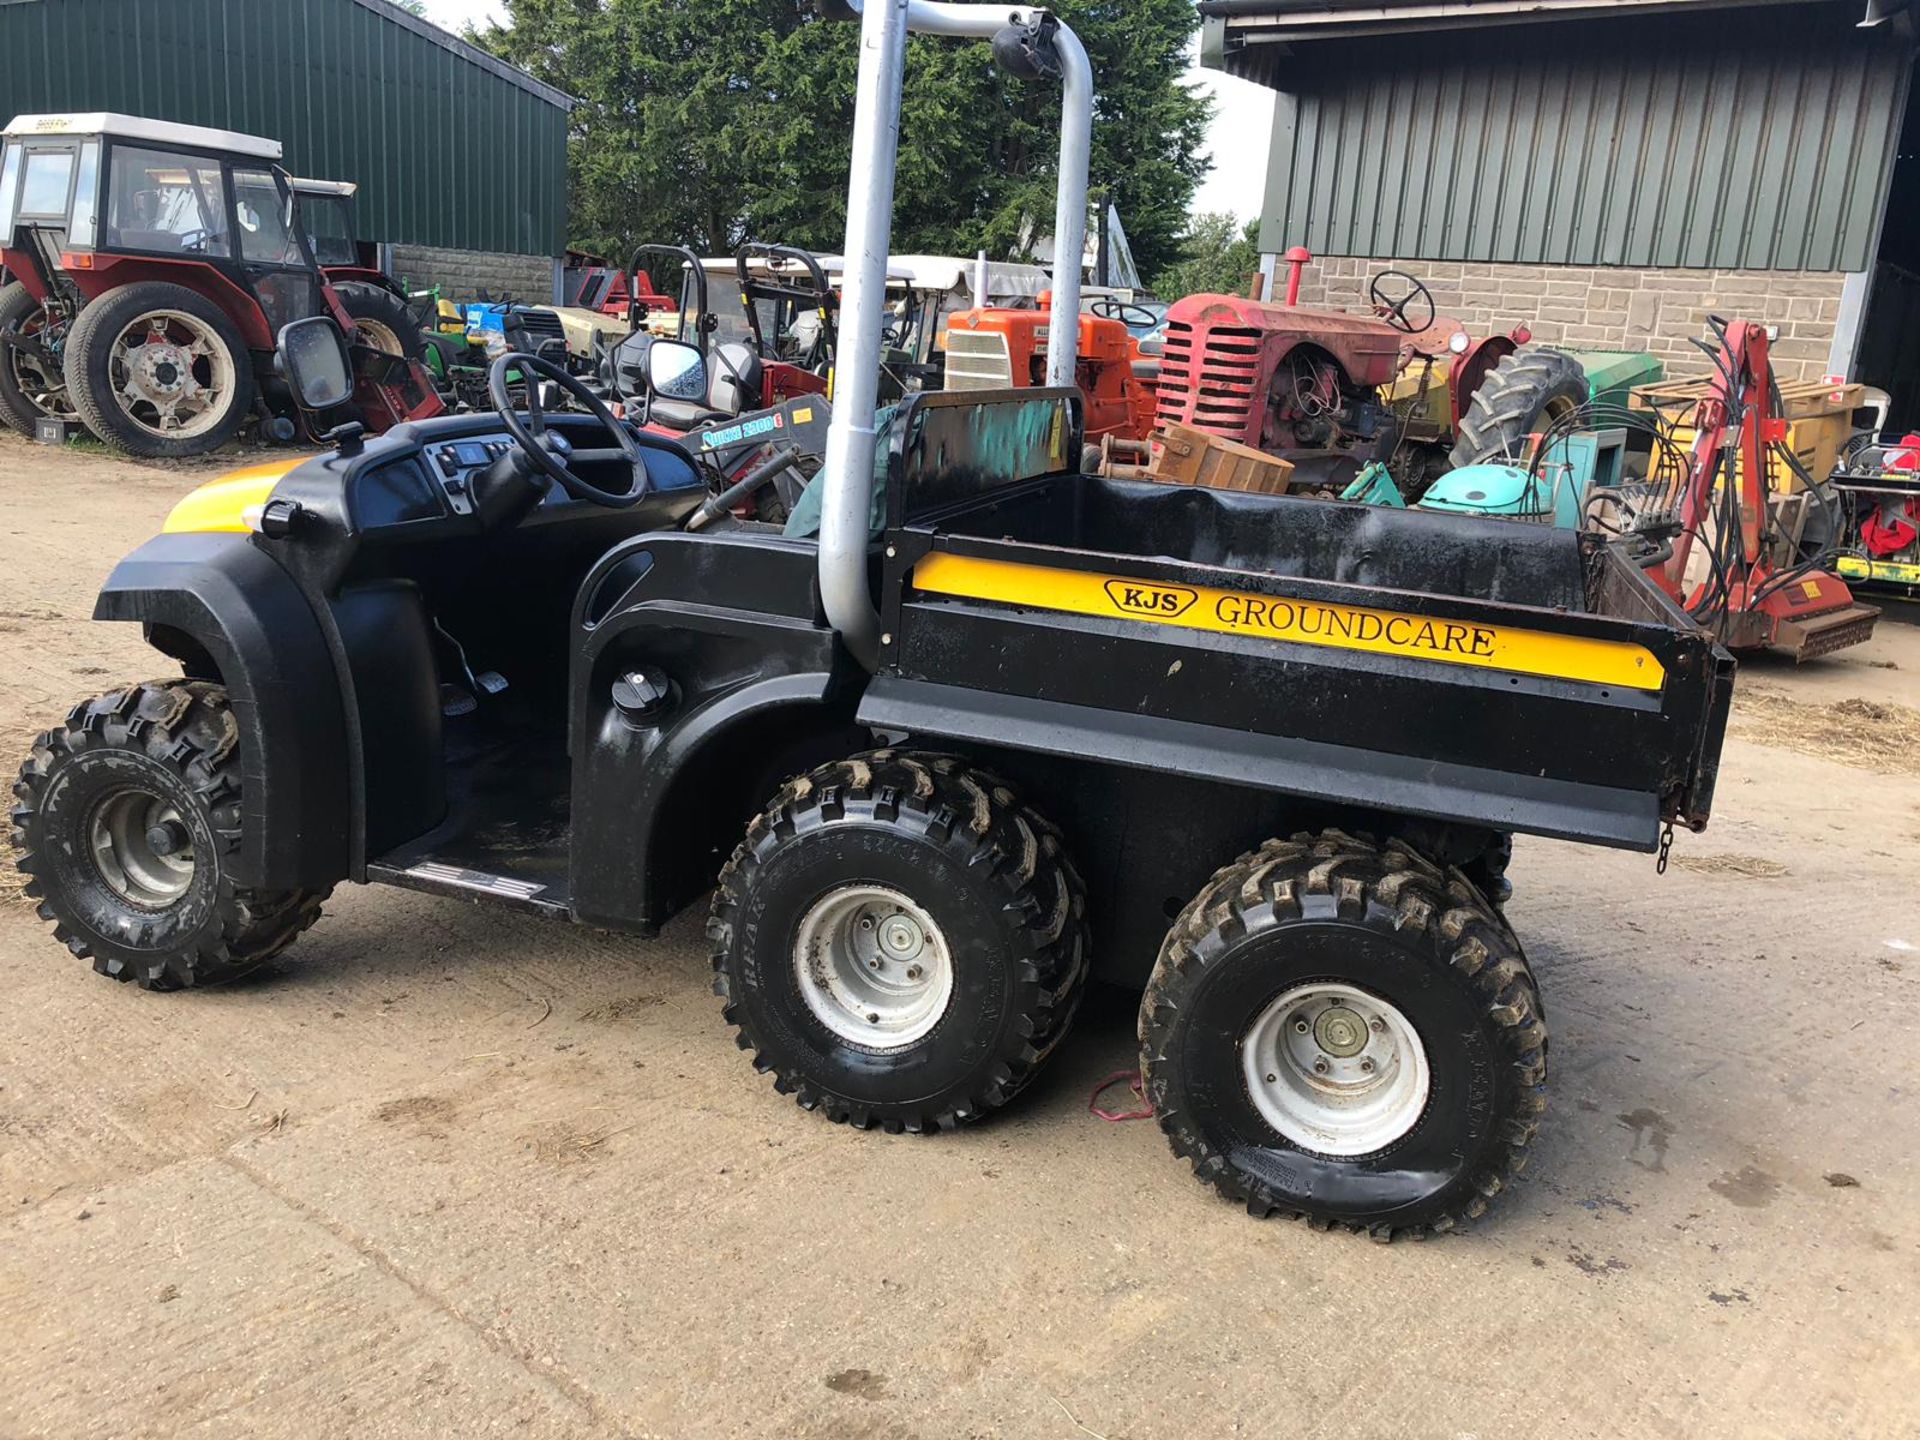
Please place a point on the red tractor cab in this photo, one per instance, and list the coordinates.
(153, 265)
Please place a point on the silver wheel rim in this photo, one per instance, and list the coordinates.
(1335, 1069)
(379, 337)
(171, 374)
(142, 848)
(873, 967)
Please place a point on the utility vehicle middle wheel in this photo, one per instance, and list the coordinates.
(1347, 1032)
(382, 318)
(126, 820)
(159, 371)
(31, 387)
(900, 941)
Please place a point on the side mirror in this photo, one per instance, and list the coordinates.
(676, 370)
(312, 358)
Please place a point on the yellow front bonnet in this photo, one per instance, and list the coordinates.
(222, 505)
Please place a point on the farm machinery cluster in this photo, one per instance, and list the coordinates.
(152, 265)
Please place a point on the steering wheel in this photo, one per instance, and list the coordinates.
(1127, 313)
(551, 451)
(1393, 311)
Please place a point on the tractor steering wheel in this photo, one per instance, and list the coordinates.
(549, 450)
(1128, 314)
(1393, 311)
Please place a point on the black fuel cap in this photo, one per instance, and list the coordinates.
(642, 694)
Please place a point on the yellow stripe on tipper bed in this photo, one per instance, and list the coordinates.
(1304, 622)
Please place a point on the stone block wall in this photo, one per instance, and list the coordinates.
(463, 274)
(1593, 307)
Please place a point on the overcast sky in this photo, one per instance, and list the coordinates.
(1239, 139)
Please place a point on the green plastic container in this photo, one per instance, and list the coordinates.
(1613, 373)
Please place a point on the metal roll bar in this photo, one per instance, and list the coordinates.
(1029, 40)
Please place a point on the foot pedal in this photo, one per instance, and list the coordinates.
(491, 681)
(455, 702)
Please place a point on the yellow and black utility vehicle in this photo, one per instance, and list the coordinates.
(1001, 727)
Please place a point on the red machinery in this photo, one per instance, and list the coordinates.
(1749, 595)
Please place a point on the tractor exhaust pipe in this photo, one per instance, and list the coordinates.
(1028, 41)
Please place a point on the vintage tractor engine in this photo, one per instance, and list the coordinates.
(1290, 380)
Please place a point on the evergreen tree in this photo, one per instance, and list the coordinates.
(706, 122)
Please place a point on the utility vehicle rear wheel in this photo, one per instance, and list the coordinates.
(382, 318)
(126, 820)
(159, 371)
(1520, 396)
(899, 941)
(31, 387)
(1345, 1031)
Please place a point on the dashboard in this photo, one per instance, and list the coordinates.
(425, 472)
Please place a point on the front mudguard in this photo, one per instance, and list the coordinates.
(217, 601)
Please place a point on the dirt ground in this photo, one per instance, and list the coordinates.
(445, 1171)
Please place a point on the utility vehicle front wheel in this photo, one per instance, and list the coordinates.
(899, 941)
(126, 820)
(159, 371)
(1345, 1031)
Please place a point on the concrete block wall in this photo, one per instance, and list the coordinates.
(463, 274)
(1606, 307)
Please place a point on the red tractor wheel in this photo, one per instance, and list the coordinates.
(159, 371)
(32, 382)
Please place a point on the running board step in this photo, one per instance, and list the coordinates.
(436, 878)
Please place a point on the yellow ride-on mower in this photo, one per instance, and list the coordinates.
(1000, 727)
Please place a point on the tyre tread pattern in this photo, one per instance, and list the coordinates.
(1498, 420)
(979, 820)
(1264, 888)
(189, 727)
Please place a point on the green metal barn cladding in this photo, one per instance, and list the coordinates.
(450, 147)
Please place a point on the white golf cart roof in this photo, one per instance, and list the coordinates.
(345, 188)
(948, 273)
(152, 132)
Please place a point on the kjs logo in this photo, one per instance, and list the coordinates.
(1160, 602)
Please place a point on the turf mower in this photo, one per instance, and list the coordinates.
(1331, 391)
(152, 266)
(1002, 726)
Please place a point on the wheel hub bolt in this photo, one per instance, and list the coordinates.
(169, 837)
(1379, 1026)
(1367, 1066)
(1319, 1067)
(1301, 1027)
(913, 972)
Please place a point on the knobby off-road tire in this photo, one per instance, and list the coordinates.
(104, 405)
(382, 318)
(1519, 396)
(20, 313)
(158, 755)
(1410, 943)
(986, 886)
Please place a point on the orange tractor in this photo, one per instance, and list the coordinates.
(998, 348)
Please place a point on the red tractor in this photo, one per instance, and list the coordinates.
(153, 265)
(1330, 390)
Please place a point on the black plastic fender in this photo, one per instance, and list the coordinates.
(235, 604)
